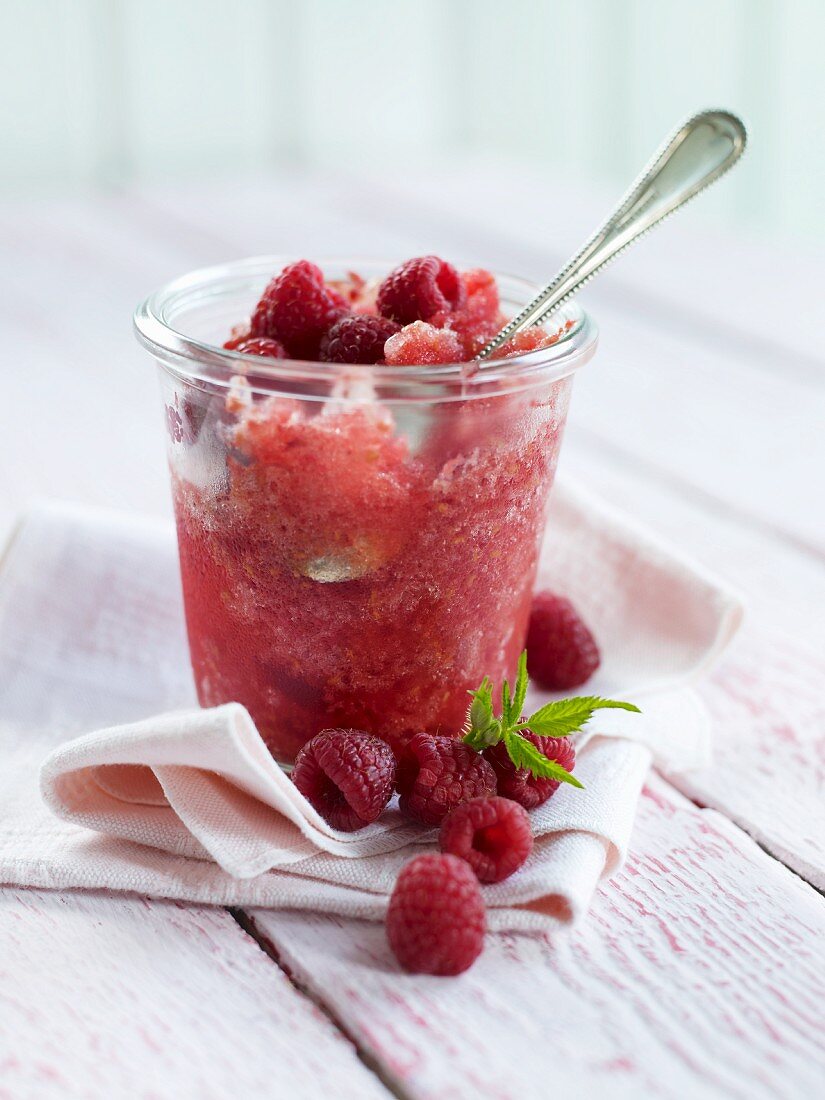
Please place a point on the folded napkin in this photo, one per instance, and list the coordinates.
(190, 805)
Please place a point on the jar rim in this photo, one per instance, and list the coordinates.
(196, 360)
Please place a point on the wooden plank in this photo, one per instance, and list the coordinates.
(698, 973)
(779, 580)
(117, 996)
(769, 744)
(768, 773)
(638, 996)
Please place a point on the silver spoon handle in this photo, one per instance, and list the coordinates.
(696, 155)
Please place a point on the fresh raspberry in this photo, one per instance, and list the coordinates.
(264, 346)
(561, 651)
(436, 920)
(519, 784)
(298, 309)
(493, 835)
(419, 289)
(347, 775)
(437, 773)
(357, 339)
(420, 344)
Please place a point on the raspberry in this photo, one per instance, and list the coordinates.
(239, 334)
(420, 344)
(436, 774)
(531, 339)
(264, 346)
(357, 339)
(493, 835)
(481, 308)
(347, 775)
(419, 289)
(298, 309)
(436, 920)
(519, 784)
(358, 294)
(561, 651)
(184, 424)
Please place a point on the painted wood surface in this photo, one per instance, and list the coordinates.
(697, 973)
(120, 997)
(713, 462)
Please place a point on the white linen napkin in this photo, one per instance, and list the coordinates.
(190, 805)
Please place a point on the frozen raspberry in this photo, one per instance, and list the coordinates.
(561, 651)
(436, 920)
(184, 422)
(519, 784)
(239, 333)
(347, 775)
(436, 774)
(480, 309)
(298, 309)
(358, 294)
(531, 339)
(174, 424)
(357, 339)
(493, 835)
(419, 289)
(264, 346)
(420, 344)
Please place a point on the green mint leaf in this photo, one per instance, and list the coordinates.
(524, 754)
(567, 716)
(505, 704)
(520, 692)
(481, 727)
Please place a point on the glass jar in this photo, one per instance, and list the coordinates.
(358, 545)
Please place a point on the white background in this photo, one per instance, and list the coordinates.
(106, 92)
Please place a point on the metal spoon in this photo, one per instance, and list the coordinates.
(693, 158)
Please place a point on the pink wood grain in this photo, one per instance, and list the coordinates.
(120, 997)
(768, 704)
(698, 973)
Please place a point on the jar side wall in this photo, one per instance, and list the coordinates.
(354, 563)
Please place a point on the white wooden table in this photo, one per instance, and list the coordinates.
(700, 971)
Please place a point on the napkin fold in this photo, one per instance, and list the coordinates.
(190, 805)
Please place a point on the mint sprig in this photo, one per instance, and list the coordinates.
(558, 719)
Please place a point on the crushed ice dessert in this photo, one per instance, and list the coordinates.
(354, 561)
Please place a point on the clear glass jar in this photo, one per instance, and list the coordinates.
(358, 545)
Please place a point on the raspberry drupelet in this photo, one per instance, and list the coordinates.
(493, 835)
(357, 338)
(561, 652)
(436, 919)
(436, 774)
(519, 784)
(420, 289)
(264, 346)
(298, 309)
(347, 775)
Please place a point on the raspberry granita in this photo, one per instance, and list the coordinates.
(358, 544)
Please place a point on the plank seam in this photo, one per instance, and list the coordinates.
(369, 1060)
